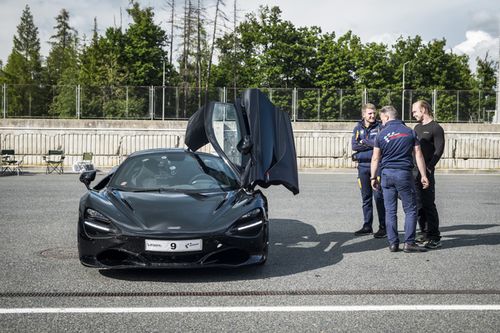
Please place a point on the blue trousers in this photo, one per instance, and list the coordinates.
(400, 183)
(367, 196)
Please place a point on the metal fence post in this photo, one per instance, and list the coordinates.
(163, 99)
(126, 101)
(434, 102)
(479, 106)
(341, 95)
(4, 101)
(151, 102)
(78, 102)
(294, 104)
(176, 102)
(403, 104)
(319, 104)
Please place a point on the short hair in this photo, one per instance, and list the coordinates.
(425, 105)
(368, 106)
(390, 111)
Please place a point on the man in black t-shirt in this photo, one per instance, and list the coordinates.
(431, 137)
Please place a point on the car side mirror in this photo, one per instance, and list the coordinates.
(245, 145)
(87, 177)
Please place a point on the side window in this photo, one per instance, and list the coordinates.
(227, 131)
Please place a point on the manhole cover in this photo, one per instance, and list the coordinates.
(60, 253)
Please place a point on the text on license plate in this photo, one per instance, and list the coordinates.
(174, 245)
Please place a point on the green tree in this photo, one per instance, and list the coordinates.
(194, 60)
(24, 69)
(103, 76)
(145, 51)
(339, 60)
(485, 80)
(62, 67)
(63, 52)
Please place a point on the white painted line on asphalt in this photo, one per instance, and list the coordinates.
(339, 308)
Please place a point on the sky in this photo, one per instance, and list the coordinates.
(470, 27)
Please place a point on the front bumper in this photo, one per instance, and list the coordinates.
(128, 251)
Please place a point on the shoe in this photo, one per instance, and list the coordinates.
(381, 233)
(394, 247)
(363, 231)
(432, 244)
(412, 247)
(421, 239)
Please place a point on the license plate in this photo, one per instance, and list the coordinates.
(174, 245)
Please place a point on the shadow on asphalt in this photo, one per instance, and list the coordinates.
(296, 247)
(14, 174)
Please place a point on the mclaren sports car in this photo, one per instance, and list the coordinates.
(182, 208)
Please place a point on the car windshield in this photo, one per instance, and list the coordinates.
(173, 171)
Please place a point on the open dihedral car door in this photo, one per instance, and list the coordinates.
(252, 136)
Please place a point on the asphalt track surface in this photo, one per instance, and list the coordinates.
(319, 277)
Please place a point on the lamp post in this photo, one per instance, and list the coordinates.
(403, 93)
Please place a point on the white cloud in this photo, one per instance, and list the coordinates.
(477, 44)
(459, 21)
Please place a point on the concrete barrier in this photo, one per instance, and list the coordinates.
(319, 145)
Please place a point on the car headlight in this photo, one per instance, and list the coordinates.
(249, 224)
(96, 224)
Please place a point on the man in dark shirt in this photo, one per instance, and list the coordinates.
(395, 146)
(431, 137)
(363, 139)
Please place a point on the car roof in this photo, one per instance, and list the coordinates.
(167, 150)
(158, 150)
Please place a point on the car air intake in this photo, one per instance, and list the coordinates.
(113, 258)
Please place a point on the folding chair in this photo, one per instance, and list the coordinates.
(85, 164)
(54, 160)
(9, 162)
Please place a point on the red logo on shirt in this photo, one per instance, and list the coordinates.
(394, 135)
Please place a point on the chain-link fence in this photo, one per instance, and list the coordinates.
(153, 102)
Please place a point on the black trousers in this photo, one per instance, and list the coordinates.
(428, 217)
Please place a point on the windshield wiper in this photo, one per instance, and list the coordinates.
(159, 190)
(145, 190)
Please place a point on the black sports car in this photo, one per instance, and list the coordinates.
(175, 208)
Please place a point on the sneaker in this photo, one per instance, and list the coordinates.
(421, 239)
(433, 244)
(381, 233)
(363, 231)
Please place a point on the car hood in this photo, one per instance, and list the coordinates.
(160, 213)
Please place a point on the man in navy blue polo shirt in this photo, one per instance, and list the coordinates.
(363, 140)
(393, 154)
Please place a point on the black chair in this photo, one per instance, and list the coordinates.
(54, 161)
(9, 162)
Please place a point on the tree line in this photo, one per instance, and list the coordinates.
(197, 51)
